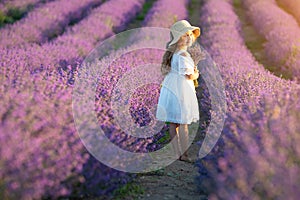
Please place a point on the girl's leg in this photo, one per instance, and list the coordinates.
(175, 141)
(184, 140)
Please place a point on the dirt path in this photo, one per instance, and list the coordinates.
(176, 181)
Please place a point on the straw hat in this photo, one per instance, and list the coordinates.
(179, 28)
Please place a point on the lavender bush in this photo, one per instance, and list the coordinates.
(39, 145)
(240, 71)
(139, 107)
(13, 11)
(45, 22)
(6, 5)
(38, 101)
(260, 159)
(282, 46)
(72, 46)
(163, 10)
(256, 157)
(23, 6)
(38, 81)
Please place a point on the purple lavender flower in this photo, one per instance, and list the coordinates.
(283, 44)
(44, 22)
(255, 157)
(43, 155)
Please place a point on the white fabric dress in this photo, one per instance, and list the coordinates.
(177, 101)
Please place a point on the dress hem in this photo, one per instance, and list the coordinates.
(178, 122)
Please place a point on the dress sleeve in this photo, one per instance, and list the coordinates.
(186, 65)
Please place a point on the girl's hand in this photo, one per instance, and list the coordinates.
(193, 76)
(196, 70)
(196, 74)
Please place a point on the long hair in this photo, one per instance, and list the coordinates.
(166, 62)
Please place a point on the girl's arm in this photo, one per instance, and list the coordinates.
(193, 76)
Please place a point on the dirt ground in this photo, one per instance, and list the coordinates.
(176, 181)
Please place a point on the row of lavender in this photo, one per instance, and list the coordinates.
(73, 45)
(45, 22)
(12, 11)
(283, 41)
(41, 153)
(93, 173)
(256, 156)
(169, 14)
(5, 6)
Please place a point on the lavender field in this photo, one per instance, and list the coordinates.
(255, 45)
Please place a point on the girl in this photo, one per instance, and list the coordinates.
(177, 102)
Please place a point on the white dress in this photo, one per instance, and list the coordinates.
(177, 101)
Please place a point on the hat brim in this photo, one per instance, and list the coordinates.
(178, 34)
